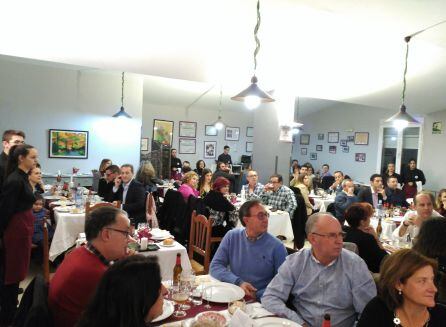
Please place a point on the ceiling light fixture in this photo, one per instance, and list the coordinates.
(121, 112)
(219, 123)
(253, 95)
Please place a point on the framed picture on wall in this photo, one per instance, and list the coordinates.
(320, 136)
(188, 129)
(305, 139)
(187, 146)
(343, 143)
(303, 151)
(232, 133)
(345, 149)
(162, 132)
(313, 156)
(210, 130)
(249, 131)
(319, 147)
(333, 137)
(437, 127)
(249, 146)
(210, 147)
(144, 144)
(332, 149)
(69, 144)
(350, 138)
(362, 138)
(360, 157)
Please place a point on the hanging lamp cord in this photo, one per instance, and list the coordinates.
(256, 39)
(122, 91)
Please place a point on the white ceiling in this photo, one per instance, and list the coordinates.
(343, 50)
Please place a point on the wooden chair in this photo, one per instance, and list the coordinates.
(89, 208)
(46, 253)
(200, 243)
(151, 211)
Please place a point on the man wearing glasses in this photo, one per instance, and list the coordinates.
(105, 187)
(278, 196)
(322, 279)
(10, 138)
(108, 233)
(249, 257)
(253, 189)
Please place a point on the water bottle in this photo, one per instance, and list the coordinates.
(379, 210)
(243, 194)
(79, 197)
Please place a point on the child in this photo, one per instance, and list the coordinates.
(40, 213)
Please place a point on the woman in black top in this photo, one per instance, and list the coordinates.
(200, 165)
(35, 179)
(16, 225)
(363, 235)
(410, 176)
(406, 294)
(390, 172)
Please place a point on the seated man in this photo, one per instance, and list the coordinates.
(395, 196)
(373, 194)
(132, 195)
(278, 196)
(107, 230)
(424, 206)
(344, 199)
(337, 185)
(253, 188)
(105, 188)
(249, 257)
(325, 170)
(223, 170)
(322, 279)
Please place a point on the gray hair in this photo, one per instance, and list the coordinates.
(313, 219)
(345, 181)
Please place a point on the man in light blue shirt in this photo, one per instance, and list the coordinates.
(249, 257)
(323, 279)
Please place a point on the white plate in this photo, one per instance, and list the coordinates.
(160, 238)
(167, 311)
(62, 203)
(223, 293)
(276, 321)
(62, 209)
(315, 196)
(52, 197)
(166, 246)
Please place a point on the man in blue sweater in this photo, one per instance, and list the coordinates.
(249, 257)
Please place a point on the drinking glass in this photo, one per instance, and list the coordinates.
(207, 292)
(187, 279)
(179, 295)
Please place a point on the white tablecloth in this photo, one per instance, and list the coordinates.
(322, 204)
(279, 223)
(167, 259)
(68, 227)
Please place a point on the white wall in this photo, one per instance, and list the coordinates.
(36, 97)
(203, 116)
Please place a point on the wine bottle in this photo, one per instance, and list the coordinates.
(327, 320)
(177, 270)
(379, 228)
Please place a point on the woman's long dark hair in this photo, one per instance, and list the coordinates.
(127, 291)
(431, 240)
(203, 177)
(13, 159)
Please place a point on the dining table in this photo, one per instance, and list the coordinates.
(321, 203)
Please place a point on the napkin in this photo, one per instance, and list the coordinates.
(241, 319)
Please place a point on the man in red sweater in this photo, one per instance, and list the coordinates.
(108, 232)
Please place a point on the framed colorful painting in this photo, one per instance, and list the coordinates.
(70, 144)
(162, 132)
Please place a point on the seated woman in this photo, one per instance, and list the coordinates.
(200, 167)
(441, 202)
(147, 176)
(189, 185)
(99, 175)
(219, 208)
(363, 235)
(431, 242)
(204, 184)
(406, 294)
(129, 294)
(303, 183)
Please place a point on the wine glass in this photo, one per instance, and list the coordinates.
(179, 295)
(187, 278)
(207, 293)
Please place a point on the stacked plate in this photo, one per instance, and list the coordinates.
(160, 234)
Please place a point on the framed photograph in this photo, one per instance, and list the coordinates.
(437, 127)
(188, 129)
(249, 146)
(360, 157)
(319, 147)
(144, 144)
(210, 130)
(362, 138)
(187, 146)
(320, 136)
(210, 148)
(332, 149)
(68, 144)
(232, 133)
(350, 138)
(333, 137)
(249, 131)
(303, 151)
(304, 139)
(343, 143)
(162, 132)
(313, 156)
(345, 149)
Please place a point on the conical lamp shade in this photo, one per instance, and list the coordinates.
(253, 90)
(122, 113)
(402, 115)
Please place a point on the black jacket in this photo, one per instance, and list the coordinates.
(135, 201)
(365, 195)
(396, 198)
(3, 162)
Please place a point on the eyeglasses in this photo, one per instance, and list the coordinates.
(17, 142)
(332, 236)
(126, 233)
(261, 215)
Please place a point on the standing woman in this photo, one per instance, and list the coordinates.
(16, 226)
(390, 172)
(35, 179)
(410, 176)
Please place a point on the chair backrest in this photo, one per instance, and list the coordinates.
(200, 239)
(351, 247)
(89, 207)
(327, 181)
(151, 211)
(46, 253)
